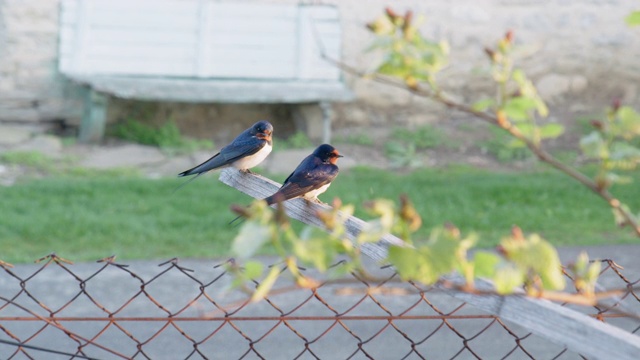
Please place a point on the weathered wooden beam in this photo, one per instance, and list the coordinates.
(578, 332)
(260, 187)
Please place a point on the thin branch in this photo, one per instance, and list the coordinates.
(540, 153)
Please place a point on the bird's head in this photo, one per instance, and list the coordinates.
(262, 130)
(327, 153)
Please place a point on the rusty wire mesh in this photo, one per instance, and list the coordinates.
(106, 310)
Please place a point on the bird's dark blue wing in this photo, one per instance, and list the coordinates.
(238, 149)
(303, 180)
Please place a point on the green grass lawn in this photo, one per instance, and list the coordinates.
(91, 217)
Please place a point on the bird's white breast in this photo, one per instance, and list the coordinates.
(313, 194)
(251, 161)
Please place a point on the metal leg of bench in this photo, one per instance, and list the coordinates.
(94, 118)
(327, 113)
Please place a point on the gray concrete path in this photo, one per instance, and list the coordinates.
(174, 290)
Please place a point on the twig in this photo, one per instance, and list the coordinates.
(507, 126)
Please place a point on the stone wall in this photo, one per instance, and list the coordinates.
(31, 89)
(579, 52)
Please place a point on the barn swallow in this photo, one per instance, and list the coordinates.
(311, 178)
(247, 150)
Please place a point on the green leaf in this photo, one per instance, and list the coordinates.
(485, 264)
(265, 286)
(536, 255)
(252, 269)
(594, 146)
(408, 55)
(628, 125)
(382, 26)
(581, 263)
(394, 69)
(507, 278)
(516, 144)
(548, 265)
(427, 272)
(483, 105)
(444, 252)
(591, 271)
(405, 260)
(519, 76)
(633, 19)
(528, 130)
(464, 266)
(529, 91)
(585, 274)
(372, 232)
(613, 178)
(441, 255)
(541, 107)
(624, 151)
(551, 131)
(385, 210)
(318, 250)
(519, 108)
(250, 238)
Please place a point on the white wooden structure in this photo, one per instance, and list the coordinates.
(578, 332)
(199, 51)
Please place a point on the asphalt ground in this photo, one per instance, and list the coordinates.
(229, 329)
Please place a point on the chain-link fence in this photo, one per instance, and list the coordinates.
(191, 310)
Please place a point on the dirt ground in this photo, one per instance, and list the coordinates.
(465, 140)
